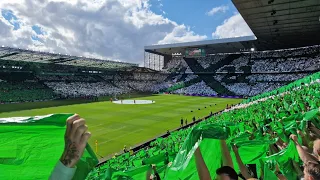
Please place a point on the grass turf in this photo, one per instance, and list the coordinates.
(116, 125)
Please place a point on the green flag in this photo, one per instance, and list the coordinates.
(30, 147)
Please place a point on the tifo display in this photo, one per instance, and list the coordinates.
(233, 74)
(265, 133)
(253, 115)
(112, 90)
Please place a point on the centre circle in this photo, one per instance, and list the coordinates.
(133, 102)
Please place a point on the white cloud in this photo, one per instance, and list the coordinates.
(181, 33)
(235, 26)
(218, 9)
(5, 27)
(113, 29)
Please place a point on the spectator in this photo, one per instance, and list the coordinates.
(76, 138)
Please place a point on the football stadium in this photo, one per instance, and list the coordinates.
(233, 108)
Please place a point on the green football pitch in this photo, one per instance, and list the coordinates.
(116, 125)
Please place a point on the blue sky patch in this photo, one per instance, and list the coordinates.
(11, 18)
(38, 30)
(36, 38)
(194, 13)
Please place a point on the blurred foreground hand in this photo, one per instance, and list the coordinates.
(75, 138)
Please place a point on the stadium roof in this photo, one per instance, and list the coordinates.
(14, 54)
(277, 24)
(281, 24)
(211, 46)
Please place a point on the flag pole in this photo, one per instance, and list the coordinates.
(96, 146)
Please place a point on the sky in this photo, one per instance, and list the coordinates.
(115, 29)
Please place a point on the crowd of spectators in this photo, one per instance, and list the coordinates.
(164, 149)
(97, 63)
(199, 88)
(172, 64)
(247, 89)
(139, 86)
(69, 78)
(294, 64)
(190, 77)
(275, 77)
(205, 62)
(70, 86)
(276, 137)
(13, 92)
(177, 64)
(84, 89)
(302, 51)
(149, 77)
(287, 60)
(176, 78)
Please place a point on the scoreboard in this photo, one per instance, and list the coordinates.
(195, 52)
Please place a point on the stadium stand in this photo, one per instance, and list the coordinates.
(286, 60)
(251, 126)
(83, 89)
(24, 92)
(249, 73)
(13, 54)
(274, 133)
(238, 74)
(199, 88)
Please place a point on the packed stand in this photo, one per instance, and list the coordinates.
(14, 92)
(205, 62)
(96, 63)
(177, 64)
(142, 86)
(277, 137)
(275, 77)
(69, 78)
(162, 151)
(149, 77)
(245, 89)
(190, 77)
(83, 89)
(199, 88)
(49, 58)
(286, 60)
(294, 64)
(158, 87)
